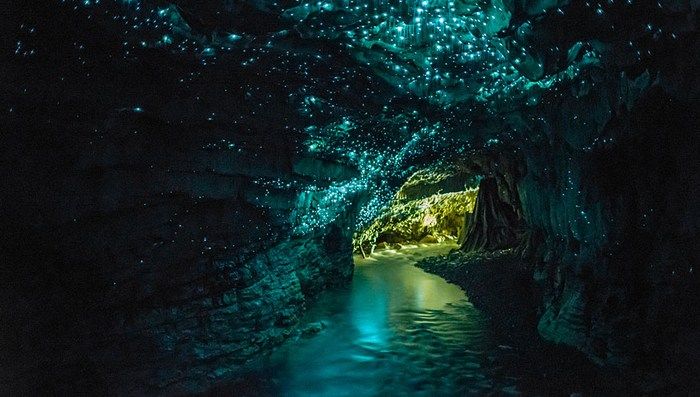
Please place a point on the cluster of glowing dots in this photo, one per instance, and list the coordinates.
(434, 46)
(150, 26)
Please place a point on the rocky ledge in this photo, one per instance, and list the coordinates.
(500, 284)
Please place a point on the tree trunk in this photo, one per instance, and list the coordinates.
(493, 224)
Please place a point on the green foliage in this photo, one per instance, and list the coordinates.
(432, 219)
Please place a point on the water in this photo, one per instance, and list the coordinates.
(395, 330)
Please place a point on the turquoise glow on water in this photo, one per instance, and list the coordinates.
(395, 330)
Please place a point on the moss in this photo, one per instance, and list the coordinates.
(438, 179)
(435, 218)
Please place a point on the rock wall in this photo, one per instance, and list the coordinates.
(609, 227)
(161, 268)
(617, 269)
(605, 178)
(148, 218)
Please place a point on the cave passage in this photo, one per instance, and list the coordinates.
(199, 194)
(396, 329)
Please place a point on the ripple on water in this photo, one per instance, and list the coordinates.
(396, 331)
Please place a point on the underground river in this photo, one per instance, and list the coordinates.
(395, 330)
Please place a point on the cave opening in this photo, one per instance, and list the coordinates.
(433, 206)
(471, 205)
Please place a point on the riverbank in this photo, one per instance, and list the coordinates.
(499, 285)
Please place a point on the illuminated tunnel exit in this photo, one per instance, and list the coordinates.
(432, 207)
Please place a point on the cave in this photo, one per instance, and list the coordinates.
(350, 197)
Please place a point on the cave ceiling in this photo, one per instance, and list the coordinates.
(386, 86)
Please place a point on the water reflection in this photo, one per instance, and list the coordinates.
(395, 330)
